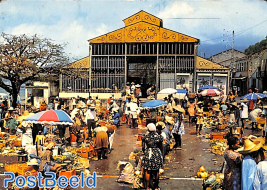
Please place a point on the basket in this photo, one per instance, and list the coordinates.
(221, 127)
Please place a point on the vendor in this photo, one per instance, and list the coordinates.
(11, 123)
(43, 106)
(101, 141)
(116, 117)
(47, 163)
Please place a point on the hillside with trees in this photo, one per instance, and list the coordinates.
(256, 48)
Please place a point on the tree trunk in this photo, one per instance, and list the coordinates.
(14, 93)
(14, 97)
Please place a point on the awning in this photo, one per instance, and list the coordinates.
(203, 74)
(34, 87)
(183, 74)
(220, 75)
(239, 78)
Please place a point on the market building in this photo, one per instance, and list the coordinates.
(142, 52)
(145, 53)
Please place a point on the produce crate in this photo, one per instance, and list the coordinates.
(220, 135)
(68, 174)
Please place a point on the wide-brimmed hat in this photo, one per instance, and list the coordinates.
(179, 108)
(92, 107)
(234, 104)
(132, 83)
(200, 102)
(115, 109)
(127, 83)
(161, 123)
(33, 162)
(250, 146)
(244, 100)
(216, 108)
(169, 120)
(138, 86)
(10, 109)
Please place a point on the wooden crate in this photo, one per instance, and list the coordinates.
(68, 174)
(220, 135)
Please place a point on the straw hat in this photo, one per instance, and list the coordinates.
(200, 102)
(50, 145)
(170, 120)
(26, 112)
(11, 109)
(138, 86)
(179, 108)
(244, 100)
(234, 104)
(161, 123)
(250, 146)
(33, 162)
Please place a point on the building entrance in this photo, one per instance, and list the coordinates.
(142, 70)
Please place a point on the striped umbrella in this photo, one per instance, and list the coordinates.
(53, 117)
(253, 96)
(210, 92)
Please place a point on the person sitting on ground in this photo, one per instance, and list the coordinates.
(47, 163)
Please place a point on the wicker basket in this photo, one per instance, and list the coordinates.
(221, 127)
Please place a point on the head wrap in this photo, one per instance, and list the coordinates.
(151, 127)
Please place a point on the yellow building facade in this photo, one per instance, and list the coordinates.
(144, 52)
(209, 73)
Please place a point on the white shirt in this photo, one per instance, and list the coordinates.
(244, 112)
(90, 115)
(133, 106)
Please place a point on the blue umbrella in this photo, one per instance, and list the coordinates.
(154, 104)
(181, 91)
(253, 96)
(207, 87)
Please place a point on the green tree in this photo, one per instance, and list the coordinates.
(23, 58)
(256, 48)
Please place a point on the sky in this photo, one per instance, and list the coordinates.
(74, 22)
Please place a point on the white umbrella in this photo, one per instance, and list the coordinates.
(168, 91)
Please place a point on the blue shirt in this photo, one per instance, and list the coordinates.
(260, 181)
(249, 167)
